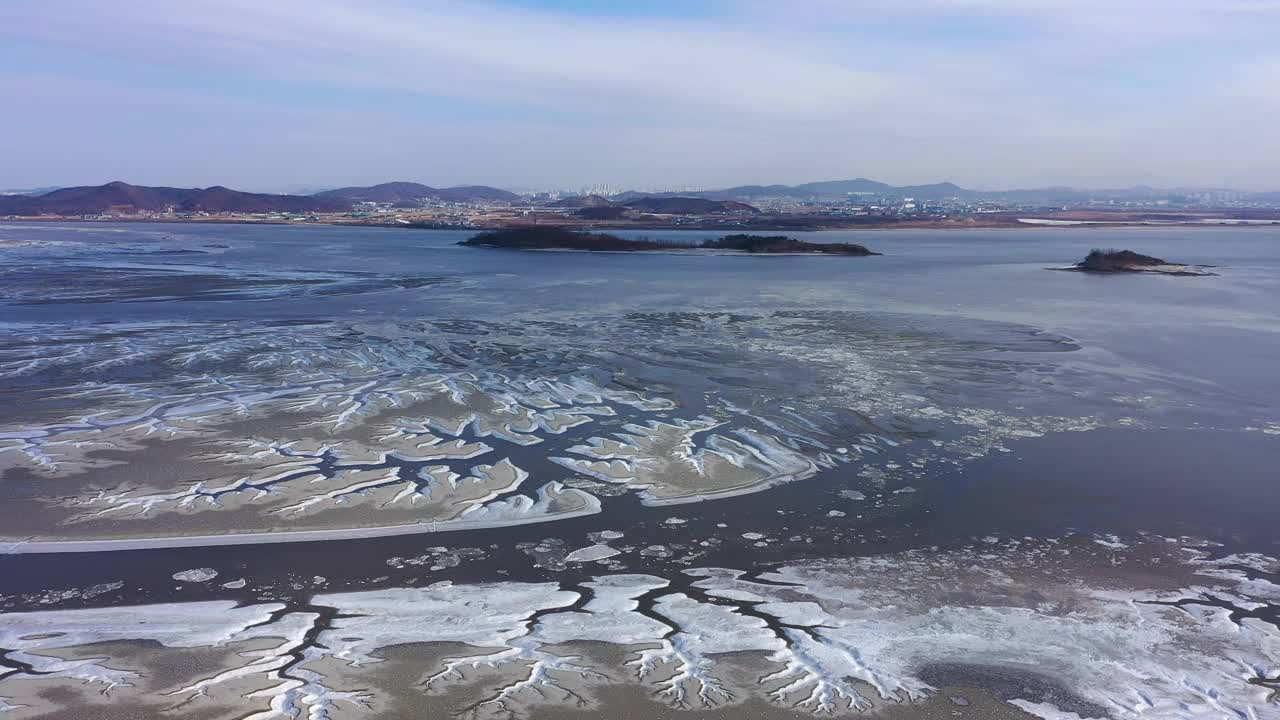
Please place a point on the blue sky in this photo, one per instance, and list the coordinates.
(563, 93)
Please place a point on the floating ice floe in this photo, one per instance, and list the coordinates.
(591, 554)
(198, 575)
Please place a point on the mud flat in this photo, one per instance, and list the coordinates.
(554, 502)
(662, 461)
(326, 442)
(262, 434)
(1198, 638)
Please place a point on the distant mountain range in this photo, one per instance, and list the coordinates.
(126, 198)
(843, 189)
(123, 197)
(829, 189)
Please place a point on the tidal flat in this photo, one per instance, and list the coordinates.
(943, 483)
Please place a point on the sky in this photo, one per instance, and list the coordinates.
(285, 95)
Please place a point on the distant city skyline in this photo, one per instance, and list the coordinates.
(567, 94)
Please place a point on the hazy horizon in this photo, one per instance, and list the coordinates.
(588, 189)
(989, 94)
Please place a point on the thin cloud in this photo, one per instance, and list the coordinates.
(466, 50)
(984, 92)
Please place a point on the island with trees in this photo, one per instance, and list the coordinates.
(783, 245)
(1127, 261)
(554, 238)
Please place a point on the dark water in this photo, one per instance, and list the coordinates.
(1164, 387)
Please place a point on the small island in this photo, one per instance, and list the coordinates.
(556, 238)
(783, 245)
(553, 238)
(1127, 261)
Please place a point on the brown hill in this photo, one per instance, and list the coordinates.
(407, 194)
(583, 201)
(123, 197)
(391, 192)
(689, 206)
(475, 193)
(604, 212)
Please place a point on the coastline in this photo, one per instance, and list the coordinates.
(683, 227)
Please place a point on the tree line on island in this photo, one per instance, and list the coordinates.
(553, 238)
(1128, 261)
(1099, 260)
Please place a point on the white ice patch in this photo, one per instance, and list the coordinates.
(485, 615)
(664, 463)
(198, 575)
(553, 500)
(591, 554)
(205, 624)
(609, 616)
